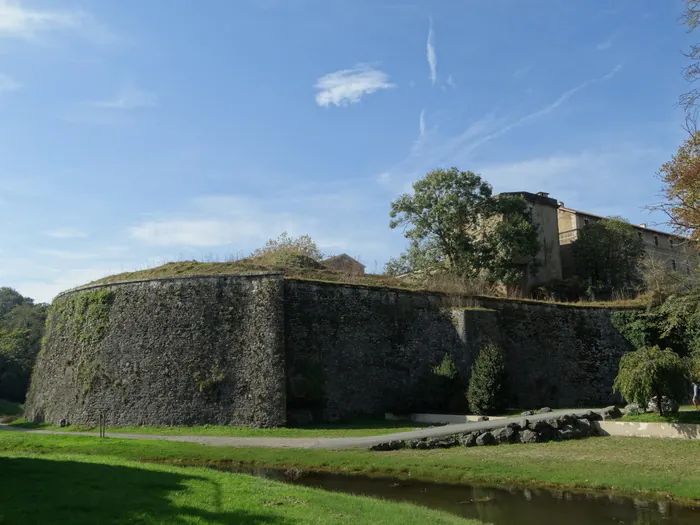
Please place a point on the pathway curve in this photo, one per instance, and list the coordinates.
(316, 443)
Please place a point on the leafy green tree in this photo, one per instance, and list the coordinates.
(9, 298)
(652, 373)
(486, 392)
(454, 223)
(608, 253)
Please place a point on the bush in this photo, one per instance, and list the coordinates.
(486, 393)
(652, 373)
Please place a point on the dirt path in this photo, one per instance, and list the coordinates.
(317, 443)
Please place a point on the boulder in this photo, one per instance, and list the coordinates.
(389, 445)
(546, 434)
(483, 418)
(611, 412)
(569, 432)
(527, 413)
(538, 426)
(633, 409)
(585, 427)
(485, 439)
(669, 405)
(544, 410)
(420, 444)
(467, 440)
(505, 435)
(528, 436)
(523, 423)
(591, 416)
(443, 442)
(514, 426)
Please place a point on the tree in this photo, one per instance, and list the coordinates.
(454, 223)
(9, 298)
(651, 373)
(691, 18)
(302, 245)
(681, 189)
(608, 253)
(486, 392)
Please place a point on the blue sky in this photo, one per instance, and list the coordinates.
(136, 132)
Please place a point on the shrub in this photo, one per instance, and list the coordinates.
(651, 372)
(486, 393)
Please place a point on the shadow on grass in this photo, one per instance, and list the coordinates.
(37, 491)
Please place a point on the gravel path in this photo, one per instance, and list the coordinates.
(317, 443)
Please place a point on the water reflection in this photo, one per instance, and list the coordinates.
(500, 506)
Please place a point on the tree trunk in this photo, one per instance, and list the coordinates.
(658, 404)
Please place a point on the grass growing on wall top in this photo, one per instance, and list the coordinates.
(315, 272)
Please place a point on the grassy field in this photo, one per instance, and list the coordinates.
(657, 468)
(688, 414)
(81, 490)
(356, 429)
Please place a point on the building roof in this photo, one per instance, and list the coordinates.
(344, 256)
(639, 227)
(539, 198)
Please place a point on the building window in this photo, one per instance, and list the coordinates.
(673, 264)
(585, 222)
(640, 234)
(670, 242)
(656, 240)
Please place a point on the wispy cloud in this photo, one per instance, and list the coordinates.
(604, 45)
(348, 86)
(17, 20)
(431, 54)
(421, 123)
(521, 72)
(66, 233)
(451, 82)
(129, 97)
(480, 132)
(8, 84)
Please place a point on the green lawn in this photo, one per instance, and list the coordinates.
(688, 414)
(353, 429)
(635, 465)
(81, 490)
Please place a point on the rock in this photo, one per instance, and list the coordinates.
(633, 409)
(512, 435)
(585, 427)
(528, 436)
(546, 434)
(389, 445)
(538, 426)
(443, 442)
(527, 413)
(514, 426)
(467, 440)
(523, 423)
(501, 435)
(611, 412)
(569, 432)
(591, 416)
(483, 418)
(420, 444)
(544, 410)
(485, 439)
(669, 405)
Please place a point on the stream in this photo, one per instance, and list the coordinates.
(496, 505)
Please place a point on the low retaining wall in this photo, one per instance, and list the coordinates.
(653, 430)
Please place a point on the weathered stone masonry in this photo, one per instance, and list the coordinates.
(255, 349)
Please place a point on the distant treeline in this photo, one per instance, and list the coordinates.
(21, 331)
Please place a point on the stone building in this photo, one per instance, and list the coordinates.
(675, 251)
(559, 227)
(345, 263)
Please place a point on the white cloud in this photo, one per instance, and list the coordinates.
(604, 45)
(451, 82)
(16, 20)
(348, 86)
(431, 54)
(129, 97)
(421, 123)
(521, 72)
(66, 233)
(8, 84)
